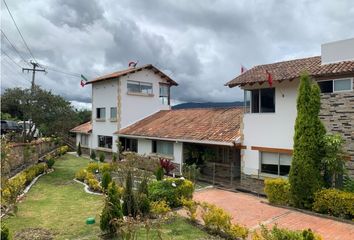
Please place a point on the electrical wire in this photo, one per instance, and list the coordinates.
(29, 50)
(12, 45)
(14, 72)
(2, 50)
(61, 71)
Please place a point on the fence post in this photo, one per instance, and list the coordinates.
(231, 173)
(213, 174)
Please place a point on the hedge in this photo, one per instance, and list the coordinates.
(277, 190)
(171, 190)
(334, 202)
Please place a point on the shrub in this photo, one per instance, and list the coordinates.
(159, 173)
(283, 234)
(63, 150)
(215, 218)
(237, 231)
(93, 155)
(92, 167)
(143, 204)
(78, 151)
(334, 202)
(112, 209)
(348, 185)
(167, 165)
(191, 207)
(114, 157)
(102, 157)
(130, 205)
(106, 167)
(191, 172)
(277, 190)
(159, 208)
(94, 185)
(171, 190)
(106, 179)
(50, 162)
(305, 173)
(5, 233)
(81, 174)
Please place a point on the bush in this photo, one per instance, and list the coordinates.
(237, 231)
(348, 184)
(130, 205)
(78, 151)
(102, 157)
(105, 167)
(277, 190)
(112, 209)
(284, 234)
(191, 206)
(81, 174)
(5, 233)
(334, 202)
(93, 155)
(50, 162)
(167, 165)
(106, 179)
(159, 173)
(215, 218)
(93, 167)
(191, 172)
(143, 204)
(171, 190)
(114, 157)
(94, 185)
(159, 208)
(63, 149)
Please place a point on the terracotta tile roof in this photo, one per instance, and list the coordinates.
(204, 124)
(83, 128)
(133, 70)
(289, 70)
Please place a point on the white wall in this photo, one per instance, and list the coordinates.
(337, 51)
(178, 154)
(274, 130)
(104, 94)
(136, 107)
(78, 139)
(144, 146)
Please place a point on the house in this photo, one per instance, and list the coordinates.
(120, 99)
(210, 135)
(270, 111)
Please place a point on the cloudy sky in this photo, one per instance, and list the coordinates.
(199, 43)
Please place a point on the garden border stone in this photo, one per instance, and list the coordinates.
(87, 189)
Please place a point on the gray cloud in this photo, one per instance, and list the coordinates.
(200, 44)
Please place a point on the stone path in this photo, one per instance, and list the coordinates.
(250, 211)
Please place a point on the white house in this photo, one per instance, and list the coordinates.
(120, 99)
(270, 111)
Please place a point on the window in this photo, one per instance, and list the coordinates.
(100, 113)
(262, 100)
(164, 94)
(105, 141)
(139, 87)
(84, 140)
(129, 144)
(337, 85)
(113, 113)
(275, 163)
(162, 147)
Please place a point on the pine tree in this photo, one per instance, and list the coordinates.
(79, 150)
(305, 173)
(106, 179)
(112, 210)
(129, 199)
(93, 155)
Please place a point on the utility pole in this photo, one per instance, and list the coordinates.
(34, 70)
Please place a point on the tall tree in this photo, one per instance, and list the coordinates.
(305, 172)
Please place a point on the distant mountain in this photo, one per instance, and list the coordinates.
(207, 105)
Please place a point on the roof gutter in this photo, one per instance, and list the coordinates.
(231, 144)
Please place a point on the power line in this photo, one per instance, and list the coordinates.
(16, 73)
(61, 71)
(11, 58)
(13, 46)
(29, 50)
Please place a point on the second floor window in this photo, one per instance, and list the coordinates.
(260, 100)
(100, 113)
(164, 94)
(139, 87)
(113, 113)
(337, 85)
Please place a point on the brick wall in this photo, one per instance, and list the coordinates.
(337, 114)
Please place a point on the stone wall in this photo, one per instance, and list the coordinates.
(337, 114)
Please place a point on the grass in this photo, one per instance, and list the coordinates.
(60, 205)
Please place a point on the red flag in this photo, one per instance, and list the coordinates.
(243, 69)
(269, 78)
(82, 83)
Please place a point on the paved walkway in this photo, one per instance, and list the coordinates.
(248, 210)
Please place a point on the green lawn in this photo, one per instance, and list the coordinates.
(60, 205)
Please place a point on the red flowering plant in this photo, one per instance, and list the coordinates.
(167, 165)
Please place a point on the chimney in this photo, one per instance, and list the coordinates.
(338, 51)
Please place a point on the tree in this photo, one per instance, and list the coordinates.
(106, 180)
(112, 210)
(305, 172)
(129, 200)
(79, 149)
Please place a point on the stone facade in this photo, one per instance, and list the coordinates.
(337, 114)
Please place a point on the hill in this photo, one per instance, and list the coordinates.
(207, 105)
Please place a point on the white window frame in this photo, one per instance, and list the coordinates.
(86, 136)
(104, 110)
(338, 79)
(270, 174)
(114, 118)
(139, 83)
(259, 101)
